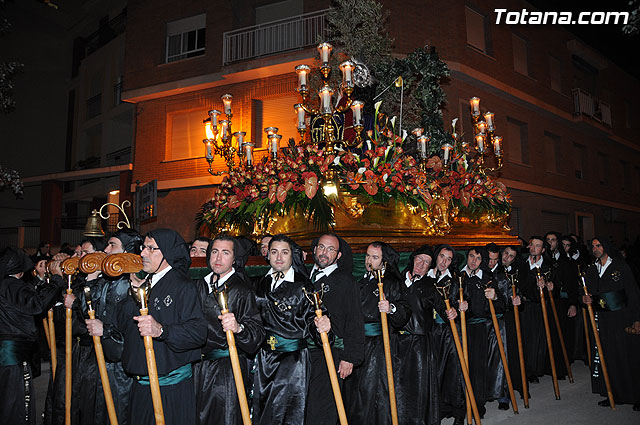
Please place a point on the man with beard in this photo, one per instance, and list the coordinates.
(331, 275)
(447, 364)
(216, 392)
(567, 283)
(417, 378)
(367, 391)
(19, 304)
(176, 324)
(614, 296)
(534, 340)
(478, 289)
(281, 381)
(106, 294)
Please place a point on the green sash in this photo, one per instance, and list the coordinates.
(174, 377)
(373, 329)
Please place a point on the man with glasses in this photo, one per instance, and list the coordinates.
(331, 275)
(175, 322)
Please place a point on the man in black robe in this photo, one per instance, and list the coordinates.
(366, 392)
(175, 322)
(19, 304)
(331, 276)
(447, 362)
(281, 381)
(106, 294)
(478, 289)
(215, 388)
(615, 297)
(417, 379)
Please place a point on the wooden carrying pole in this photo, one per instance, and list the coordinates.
(387, 355)
(596, 336)
(561, 337)
(331, 367)
(503, 356)
(154, 384)
(465, 349)
(587, 339)
(523, 372)
(545, 318)
(97, 344)
(45, 325)
(52, 345)
(464, 367)
(235, 362)
(68, 362)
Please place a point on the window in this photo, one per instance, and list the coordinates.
(603, 168)
(277, 112)
(517, 136)
(280, 10)
(553, 160)
(628, 114)
(626, 175)
(520, 55)
(186, 38)
(555, 221)
(580, 160)
(186, 132)
(476, 30)
(555, 71)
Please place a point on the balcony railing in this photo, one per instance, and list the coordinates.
(274, 37)
(585, 104)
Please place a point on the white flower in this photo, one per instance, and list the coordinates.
(361, 170)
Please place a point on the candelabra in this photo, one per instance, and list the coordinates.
(326, 108)
(484, 134)
(219, 139)
(423, 146)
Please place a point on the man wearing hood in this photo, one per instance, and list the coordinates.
(19, 303)
(106, 294)
(366, 392)
(175, 322)
(216, 392)
(281, 381)
(331, 275)
(417, 378)
(614, 296)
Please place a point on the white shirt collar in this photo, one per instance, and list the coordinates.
(326, 271)
(556, 255)
(601, 268)
(432, 274)
(494, 268)
(477, 273)
(289, 276)
(536, 264)
(220, 281)
(508, 268)
(408, 280)
(576, 255)
(157, 276)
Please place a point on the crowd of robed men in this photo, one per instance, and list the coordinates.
(277, 332)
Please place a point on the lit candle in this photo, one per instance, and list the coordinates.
(300, 111)
(239, 135)
(488, 117)
(497, 145)
(248, 151)
(209, 130)
(417, 131)
(446, 148)
(208, 150)
(356, 107)
(274, 144)
(226, 100)
(214, 117)
(482, 127)
(480, 142)
(302, 71)
(422, 146)
(224, 129)
(325, 94)
(475, 106)
(271, 131)
(347, 71)
(325, 50)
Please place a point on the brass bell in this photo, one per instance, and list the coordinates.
(93, 228)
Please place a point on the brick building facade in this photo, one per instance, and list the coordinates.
(565, 111)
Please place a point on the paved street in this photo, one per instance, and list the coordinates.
(578, 405)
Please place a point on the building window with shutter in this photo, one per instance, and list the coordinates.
(553, 159)
(274, 111)
(517, 133)
(476, 30)
(580, 160)
(603, 168)
(185, 133)
(186, 38)
(520, 56)
(555, 72)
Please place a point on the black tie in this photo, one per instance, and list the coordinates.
(314, 275)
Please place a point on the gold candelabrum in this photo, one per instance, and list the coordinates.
(220, 139)
(423, 147)
(484, 137)
(326, 108)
